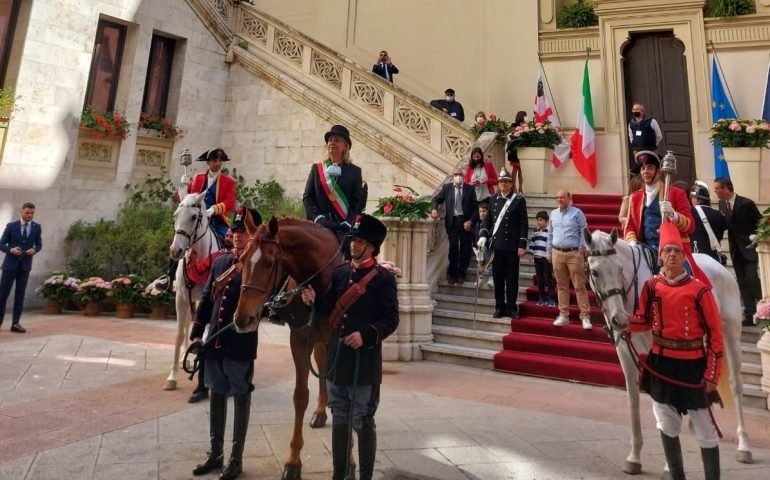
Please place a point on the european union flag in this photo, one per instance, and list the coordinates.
(721, 107)
(766, 102)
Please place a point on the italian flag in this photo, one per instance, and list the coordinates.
(583, 140)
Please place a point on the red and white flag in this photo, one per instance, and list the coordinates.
(543, 112)
(583, 140)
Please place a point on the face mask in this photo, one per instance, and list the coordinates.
(457, 180)
(638, 114)
(526, 119)
(450, 98)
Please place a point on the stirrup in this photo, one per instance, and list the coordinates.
(164, 283)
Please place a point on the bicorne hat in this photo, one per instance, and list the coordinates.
(645, 157)
(370, 229)
(504, 175)
(339, 131)
(669, 235)
(239, 222)
(217, 153)
(203, 157)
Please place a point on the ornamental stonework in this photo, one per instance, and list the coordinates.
(221, 7)
(453, 144)
(97, 154)
(150, 158)
(321, 66)
(367, 93)
(412, 120)
(287, 47)
(254, 28)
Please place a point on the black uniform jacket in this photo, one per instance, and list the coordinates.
(700, 237)
(513, 230)
(375, 315)
(317, 203)
(740, 225)
(218, 313)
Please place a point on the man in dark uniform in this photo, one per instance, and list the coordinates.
(229, 357)
(360, 330)
(507, 227)
(710, 225)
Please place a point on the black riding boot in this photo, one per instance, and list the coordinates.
(200, 392)
(168, 283)
(367, 448)
(673, 450)
(340, 457)
(710, 463)
(240, 427)
(217, 415)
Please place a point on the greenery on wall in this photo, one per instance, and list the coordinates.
(730, 8)
(577, 15)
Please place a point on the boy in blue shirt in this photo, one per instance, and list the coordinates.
(543, 270)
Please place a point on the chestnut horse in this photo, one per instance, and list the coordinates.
(307, 253)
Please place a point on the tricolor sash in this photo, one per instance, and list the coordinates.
(333, 191)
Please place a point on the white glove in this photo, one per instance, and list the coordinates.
(334, 170)
(632, 243)
(210, 212)
(185, 180)
(667, 209)
(482, 242)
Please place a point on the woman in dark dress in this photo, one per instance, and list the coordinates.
(513, 157)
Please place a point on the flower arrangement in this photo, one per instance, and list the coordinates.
(534, 134)
(106, 125)
(163, 126)
(59, 287)
(491, 124)
(156, 297)
(93, 290)
(404, 204)
(127, 289)
(763, 229)
(740, 132)
(8, 103)
(392, 268)
(762, 317)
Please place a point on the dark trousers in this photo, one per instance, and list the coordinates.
(505, 273)
(460, 247)
(544, 275)
(20, 276)
(747, 274)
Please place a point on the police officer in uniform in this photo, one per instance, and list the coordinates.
(361, 329)
(507, 227)
(714, 221)
(229, 357)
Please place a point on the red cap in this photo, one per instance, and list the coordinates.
(669, 235)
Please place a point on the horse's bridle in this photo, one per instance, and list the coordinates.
(191, 239)
(273, 272)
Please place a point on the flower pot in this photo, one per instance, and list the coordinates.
(535, 166)
(52, 307)
(763, 256)
(764, 351)
(124, 310)
(92, 309)
(744, 163)
(158, 312)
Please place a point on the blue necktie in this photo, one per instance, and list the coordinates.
(24, 231)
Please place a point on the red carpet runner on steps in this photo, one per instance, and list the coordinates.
(536, 347)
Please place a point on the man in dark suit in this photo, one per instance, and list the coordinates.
(462, 211)
(505, 231)
(384, 67)
(742, 217)
(21, 240)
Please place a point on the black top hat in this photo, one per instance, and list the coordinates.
(339, 131)
(370, 229)
(645, 157)
(203, 157)
(239, 223)
(217, 153)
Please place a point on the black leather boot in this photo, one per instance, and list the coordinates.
(673, 450)
(710, 463)
(217, 415)
(340, 457)
(240, 427)
(367, 448)
(200, 392)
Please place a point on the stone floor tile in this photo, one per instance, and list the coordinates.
(126, 471)
(426, 462)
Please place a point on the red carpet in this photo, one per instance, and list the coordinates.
(536, 347)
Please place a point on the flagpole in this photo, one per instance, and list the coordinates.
(548, 84)
(724, 79)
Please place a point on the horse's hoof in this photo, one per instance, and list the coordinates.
(170, 385)
(318, 420)
(292, 472)
(744, 456)
(632, 468)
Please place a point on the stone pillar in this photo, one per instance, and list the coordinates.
(744, 169)
(407, 246)
(535, 166)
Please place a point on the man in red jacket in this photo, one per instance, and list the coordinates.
(219, 188)
(687, 347)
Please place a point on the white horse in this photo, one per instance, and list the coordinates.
(617, 274)
(191, 233)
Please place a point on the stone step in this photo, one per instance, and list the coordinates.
(464, 302)
(755, 397)
(751, 335)
(464, 337)
(457, 355)
(750, 353)
(484, 321)
(751, 373)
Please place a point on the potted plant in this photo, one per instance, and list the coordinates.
(8, 103)
(577, 15)
(534, 143)
(762, 320)
(158, 300)
(105, 125)
(127, 293)
(155, 125)
(742, 141)
(92, 293)
(406, 203)
(58, 290)
(491, 124)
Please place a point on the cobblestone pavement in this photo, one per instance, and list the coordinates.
(82, 398)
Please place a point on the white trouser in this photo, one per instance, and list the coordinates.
(669, 421)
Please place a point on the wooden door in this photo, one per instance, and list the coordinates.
(655, 75)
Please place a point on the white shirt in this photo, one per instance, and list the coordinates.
(211, 178)
(650, 192)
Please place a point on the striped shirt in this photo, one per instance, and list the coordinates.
(538, 243)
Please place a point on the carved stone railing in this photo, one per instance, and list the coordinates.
(152, 155)
(95, 158)
(429, 142)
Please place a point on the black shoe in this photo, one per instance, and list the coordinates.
(18, 328)
(232, 470)
(212, 462)
(746, 323)
(498, 313)
(513, 313)
(198, 395)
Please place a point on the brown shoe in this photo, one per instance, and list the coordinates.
(18, 328)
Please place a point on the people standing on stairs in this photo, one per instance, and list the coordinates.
(461, 214)
(635, 184)
(505, 233)
(687, 347)
(449, 105)
(487, 273)
(363, 307)
(742, 217)
(513, 154)
(643, 131)
(481, 175)
(538, 246)
(384, 66)
(566, 250)
(710, 225)
(229, 358)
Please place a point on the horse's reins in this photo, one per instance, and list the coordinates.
(622, 292)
